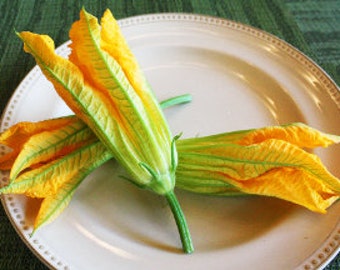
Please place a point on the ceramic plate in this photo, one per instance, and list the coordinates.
(239, 78)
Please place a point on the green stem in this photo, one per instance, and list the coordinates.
(186, 98)
(181, 222)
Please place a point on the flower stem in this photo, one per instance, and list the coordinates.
(180, 221)
(176, 100)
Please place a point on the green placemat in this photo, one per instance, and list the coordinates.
(311, 26)
(319, 22)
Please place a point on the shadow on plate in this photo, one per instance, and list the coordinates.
(125, 211)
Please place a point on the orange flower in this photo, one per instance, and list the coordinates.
(104, 86)
(49, 160)
(267, 161)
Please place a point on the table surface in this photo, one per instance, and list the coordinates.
(311, 26)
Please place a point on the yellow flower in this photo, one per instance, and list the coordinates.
(103, 84)
(267, 161)
(49, 159)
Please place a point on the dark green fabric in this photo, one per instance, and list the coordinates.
(319, 22)
(311, 26)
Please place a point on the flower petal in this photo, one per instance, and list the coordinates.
(54, 204)
(49, 145)
(17, 135)
(46, 180)
(298, 134)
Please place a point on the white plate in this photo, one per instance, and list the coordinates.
(240, 78)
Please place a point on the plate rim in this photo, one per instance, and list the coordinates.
(331, 246)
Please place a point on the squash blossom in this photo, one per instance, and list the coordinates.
(50, 159)
(269, 161)
(103, 84)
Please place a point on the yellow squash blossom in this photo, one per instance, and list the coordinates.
(267, 161)
(49, 159)
(19, 134)
(104, 86)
